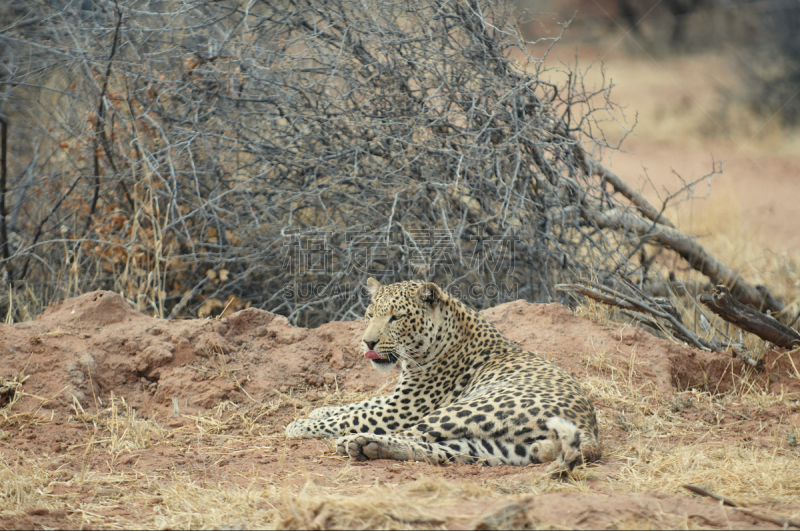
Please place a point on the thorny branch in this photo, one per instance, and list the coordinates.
(101, 138)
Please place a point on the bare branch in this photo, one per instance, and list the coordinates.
(746, 318)
(690, 250)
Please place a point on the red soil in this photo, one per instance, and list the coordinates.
(86, 348)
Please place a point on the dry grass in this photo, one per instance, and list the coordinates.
(11, 394)
(120, 426)
(665, 450)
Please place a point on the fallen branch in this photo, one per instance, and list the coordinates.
(632, 195)
(777, 520)
(590, 167)
(764, 326)
(417, 521)
(666, 320)
(690, 250)
(662, 310)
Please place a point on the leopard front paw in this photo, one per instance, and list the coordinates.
(360, 448)
(303, 429)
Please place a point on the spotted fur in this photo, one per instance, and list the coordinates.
(466, 393)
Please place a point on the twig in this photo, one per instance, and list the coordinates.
(705, 492)
(42, 223)
(416, 521)
(100, 125)
(186, 298)
(615, 298)
(4, 246)
(606, 175)
(777, 520)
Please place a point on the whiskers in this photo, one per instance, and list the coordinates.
(408, 355)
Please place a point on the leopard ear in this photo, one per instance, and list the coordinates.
(373, 286)
(430, 293)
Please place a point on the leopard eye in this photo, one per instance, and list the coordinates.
(393, 318)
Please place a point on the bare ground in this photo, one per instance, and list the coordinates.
(91, 437)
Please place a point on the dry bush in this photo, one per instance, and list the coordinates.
(283, 152)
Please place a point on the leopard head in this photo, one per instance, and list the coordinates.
(403, 323)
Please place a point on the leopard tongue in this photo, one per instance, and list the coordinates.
(371, 354)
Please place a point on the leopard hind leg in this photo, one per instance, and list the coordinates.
(408, 448)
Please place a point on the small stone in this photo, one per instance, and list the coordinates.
(311, 396)
(283, 389)
(330, 378)
(337, 359)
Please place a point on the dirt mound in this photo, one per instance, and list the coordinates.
(90, 346)
(554, 332)
(95, 344)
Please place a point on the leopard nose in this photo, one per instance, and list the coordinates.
(371, 344)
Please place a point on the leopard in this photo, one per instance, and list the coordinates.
(465, 392)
